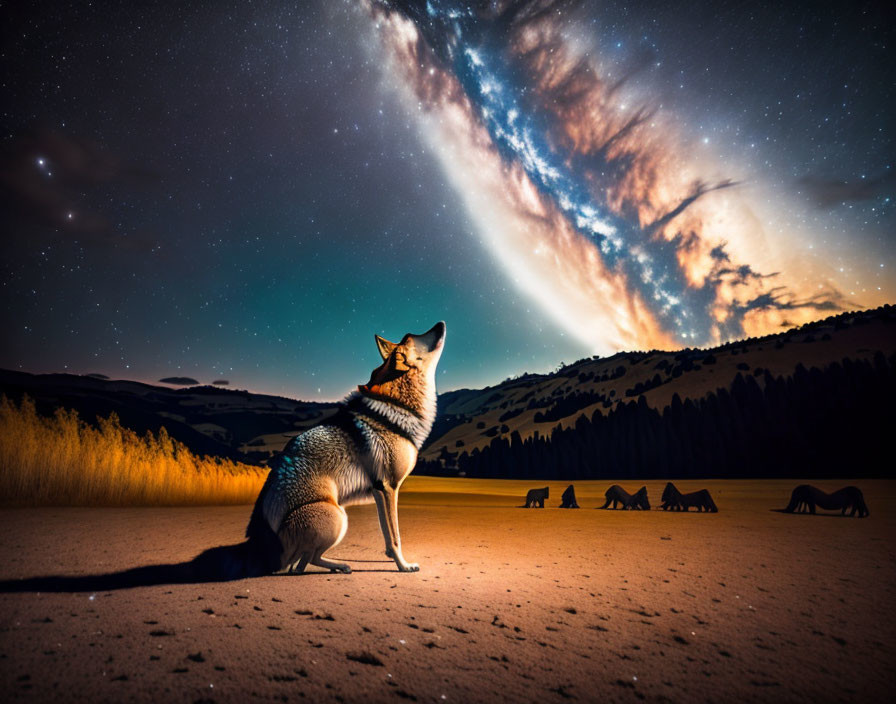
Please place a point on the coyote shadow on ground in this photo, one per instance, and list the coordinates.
(226, 563)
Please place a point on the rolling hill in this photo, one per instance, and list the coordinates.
(209, 420)
(534, 406)
(629, 407)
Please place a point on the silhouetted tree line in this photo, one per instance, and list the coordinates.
(568, 405)
(447, 421)
(814, 423)
(544, 402)
(647, 385)
(512, 413)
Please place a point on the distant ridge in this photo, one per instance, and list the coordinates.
(624, 390)
(632, 390)
(210, 420)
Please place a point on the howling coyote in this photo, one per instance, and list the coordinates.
(363, 453)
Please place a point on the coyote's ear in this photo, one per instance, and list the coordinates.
(385, 347)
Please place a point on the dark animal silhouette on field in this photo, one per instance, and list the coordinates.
(568, 500)
(806, 497)
(617, 495)
(675, 500)
(536, 497)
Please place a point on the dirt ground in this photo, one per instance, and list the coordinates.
(510, 604)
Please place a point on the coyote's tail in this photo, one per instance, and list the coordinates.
(229, 562)
(257, 556)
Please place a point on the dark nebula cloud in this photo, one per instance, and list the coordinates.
(829, 193)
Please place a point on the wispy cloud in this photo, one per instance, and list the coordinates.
(829, 193)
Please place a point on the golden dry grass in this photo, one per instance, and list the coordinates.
(64, 461)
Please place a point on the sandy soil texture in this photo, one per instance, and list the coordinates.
(511, 604)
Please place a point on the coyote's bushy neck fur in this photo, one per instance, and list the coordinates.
(413, 424)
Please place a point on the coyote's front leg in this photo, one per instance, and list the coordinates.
(384, 526)
(386, 498)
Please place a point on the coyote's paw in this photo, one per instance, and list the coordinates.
(345, 569)
(409, 567)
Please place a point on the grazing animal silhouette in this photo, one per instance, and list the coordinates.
(617, 495)
(569, 498)
(536, 497)
(806, 497)
(675, 500)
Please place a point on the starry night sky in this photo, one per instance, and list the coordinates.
(250, 192)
